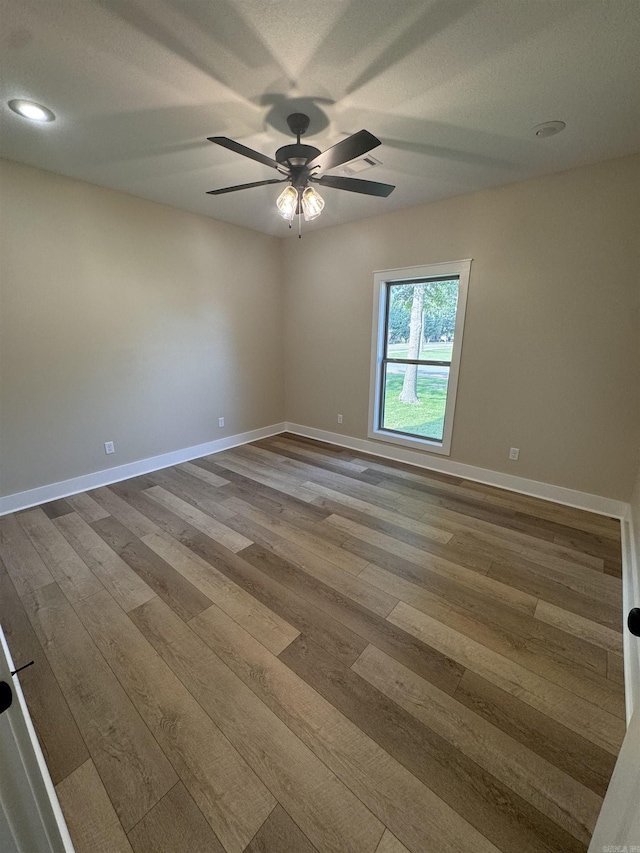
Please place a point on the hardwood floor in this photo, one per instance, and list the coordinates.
(290, 647)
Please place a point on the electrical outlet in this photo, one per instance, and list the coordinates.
(109, 447)
(220, 422)
(339, 419)
(514, 452)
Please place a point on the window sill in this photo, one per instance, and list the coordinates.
(429, 445)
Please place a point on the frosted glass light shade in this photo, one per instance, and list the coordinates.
(287, 203)
(312, 204)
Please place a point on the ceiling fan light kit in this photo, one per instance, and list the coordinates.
(302, 165)
(287, 203)
(312, 204)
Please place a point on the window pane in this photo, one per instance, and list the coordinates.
(421, 320)
(424, 388)
(436, 350)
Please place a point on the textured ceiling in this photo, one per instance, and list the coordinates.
(451, 87)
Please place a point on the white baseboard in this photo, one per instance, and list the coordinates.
(64, 488)
(546, 491)
(558, 494)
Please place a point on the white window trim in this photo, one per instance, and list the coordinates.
(380, 279)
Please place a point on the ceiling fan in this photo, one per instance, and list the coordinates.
(302, 165)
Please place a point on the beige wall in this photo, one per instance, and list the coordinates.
(550, 356)
(126, 320)
(129, 321)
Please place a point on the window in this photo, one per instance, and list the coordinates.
(417, 341)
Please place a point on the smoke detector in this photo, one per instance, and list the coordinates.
(548, 128)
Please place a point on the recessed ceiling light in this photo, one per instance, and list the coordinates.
(548, 128)
(31, 110)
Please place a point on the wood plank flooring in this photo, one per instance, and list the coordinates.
(290, 647)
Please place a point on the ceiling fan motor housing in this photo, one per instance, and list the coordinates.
(296, 154)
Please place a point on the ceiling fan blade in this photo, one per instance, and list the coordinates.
(347, 149)
(355, 185)
(232, 145)
(247, 186)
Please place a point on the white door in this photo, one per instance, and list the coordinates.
(30, 817)
(618, 827)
